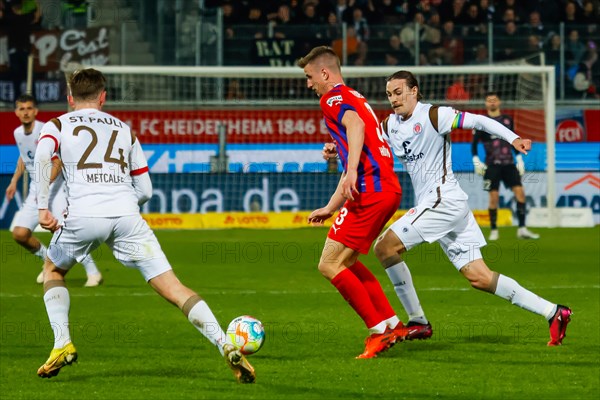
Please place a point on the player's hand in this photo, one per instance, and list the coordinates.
(47, 220)
(349, 184)
(522, 145)
(319, 216)
(479, 166)
(329, 151)
(520, 164)
(11, 190)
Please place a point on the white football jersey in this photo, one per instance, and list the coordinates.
(99, 156)
(27, 145)
(426, 152)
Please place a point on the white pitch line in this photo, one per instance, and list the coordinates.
(280, 292)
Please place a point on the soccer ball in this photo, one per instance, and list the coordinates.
(247, 334)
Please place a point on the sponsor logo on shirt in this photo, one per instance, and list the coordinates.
(408, 157)
(354, 92)
(414, 157)
(384, 151)
(334, 101)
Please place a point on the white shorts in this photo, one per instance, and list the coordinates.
(129, 237)
(28, 215)
(449, 222)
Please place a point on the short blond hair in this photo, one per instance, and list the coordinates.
(317, 53)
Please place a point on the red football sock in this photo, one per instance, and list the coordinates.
(378, 297)
(357, 296)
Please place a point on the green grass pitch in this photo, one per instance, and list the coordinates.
(134, 345)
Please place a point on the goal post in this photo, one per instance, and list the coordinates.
(269, 110)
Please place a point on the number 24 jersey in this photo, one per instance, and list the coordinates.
(99, 155)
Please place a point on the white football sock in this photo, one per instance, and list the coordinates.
(392, 322)
(379, 328)
(89, 265)
(510, 290)
(57, 306)
(401, 278)
(41, 252)
(204, 320)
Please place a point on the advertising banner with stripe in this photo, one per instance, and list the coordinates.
(290, 126)
(190, 194)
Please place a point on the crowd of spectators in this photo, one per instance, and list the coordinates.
(449, 32)
(377, 32)
(47, 14)
(19, 19)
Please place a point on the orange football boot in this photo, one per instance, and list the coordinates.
(377, 343)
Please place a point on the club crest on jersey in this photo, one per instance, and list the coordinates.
(506, 121)
(412, 211)
(417, 128)
(335, 100)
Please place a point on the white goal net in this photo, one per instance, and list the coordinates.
(250, 138)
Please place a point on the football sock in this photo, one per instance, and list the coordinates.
(510, 290)
(57, 303)
(41, 252)
(493, 217)
(354, 292)
(89, 265)
(379, 328)
(204, 320)
(392, 322)
(376, 294)
(521, 214)
(554, 309)
(401, 278)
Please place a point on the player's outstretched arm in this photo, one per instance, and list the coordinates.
(12, 186)
(522, 145)
(466, 120)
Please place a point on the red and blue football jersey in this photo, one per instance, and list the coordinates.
(376, 165)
